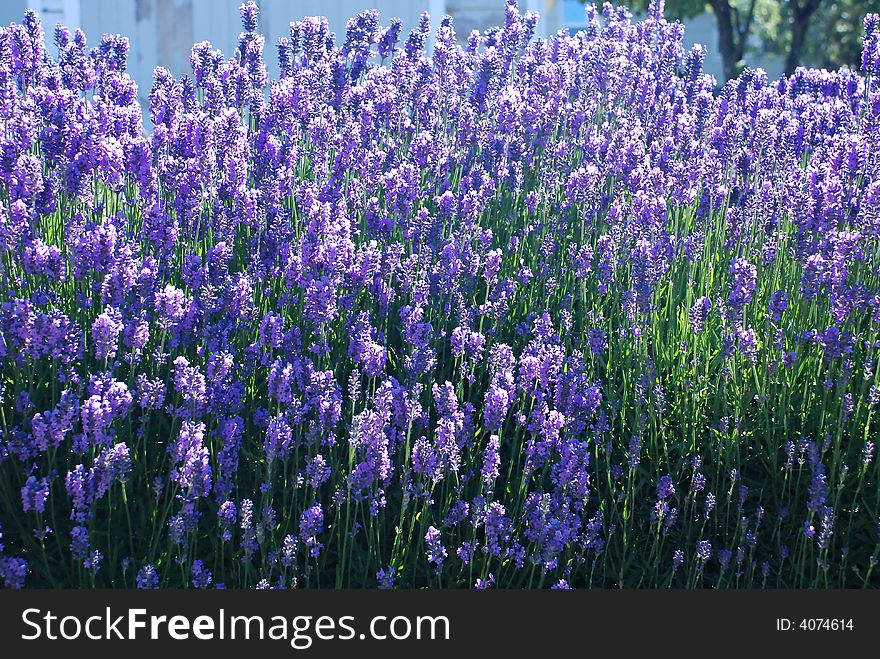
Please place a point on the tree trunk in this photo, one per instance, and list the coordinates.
(731, 51)
(800, 22)
(798, 36)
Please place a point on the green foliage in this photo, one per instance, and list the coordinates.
(834, 37)
(771, 36)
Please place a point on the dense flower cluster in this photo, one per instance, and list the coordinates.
(521, 312)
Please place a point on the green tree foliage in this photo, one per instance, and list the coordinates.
(823, 33)
(835, 35)
(735, 20)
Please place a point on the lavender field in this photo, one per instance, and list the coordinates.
(520, 314)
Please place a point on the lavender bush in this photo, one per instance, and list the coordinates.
(527, 313)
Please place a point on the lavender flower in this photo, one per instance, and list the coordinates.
(147, 578)
(491, 460)
(34, 494)
(744, 282)
(333, 294)
(698, 314)
(436, 552)
(665, 488)
(704, 550)
(201, 576)
(13, 572)
(677, 559)
(311, 525)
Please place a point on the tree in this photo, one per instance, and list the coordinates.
(735, 19)
(824, 33)
(800, 12)
(734, 28)
(834, 38)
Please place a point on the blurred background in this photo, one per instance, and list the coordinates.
(776, 35)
